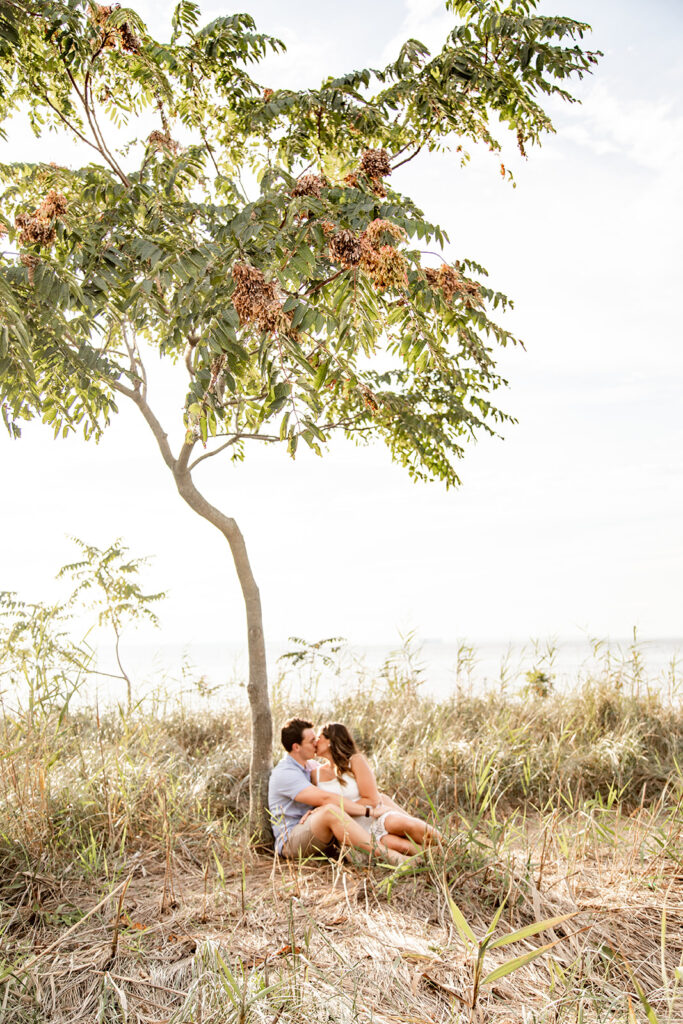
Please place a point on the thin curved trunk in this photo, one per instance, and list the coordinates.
(257, 686)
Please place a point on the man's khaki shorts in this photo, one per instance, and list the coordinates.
(301, 842)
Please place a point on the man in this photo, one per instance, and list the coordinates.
(305, 818)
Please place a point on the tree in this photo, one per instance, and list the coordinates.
(107, 578)
(275, 298)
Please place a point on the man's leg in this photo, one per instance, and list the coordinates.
(329, 821)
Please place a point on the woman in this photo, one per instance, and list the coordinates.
(347, 772)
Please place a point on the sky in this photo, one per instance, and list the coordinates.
(571, 524)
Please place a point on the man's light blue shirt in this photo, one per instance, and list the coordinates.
(287, 779)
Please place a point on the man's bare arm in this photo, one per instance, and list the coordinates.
(316, 797)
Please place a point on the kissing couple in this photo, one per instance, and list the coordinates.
(324, 790)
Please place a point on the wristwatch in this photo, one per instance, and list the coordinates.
(367, 811)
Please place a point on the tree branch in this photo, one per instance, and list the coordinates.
(100, 144)
(321, 284)
(155, 426)
(233, 440)
(184, 457)
(208, 455)
(408, 158)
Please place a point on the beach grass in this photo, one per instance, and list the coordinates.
(130, 890)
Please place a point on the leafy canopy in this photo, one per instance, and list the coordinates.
(256, 234)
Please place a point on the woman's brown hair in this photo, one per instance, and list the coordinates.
(342, 747)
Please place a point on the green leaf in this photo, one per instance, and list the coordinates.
(532, 929)
(464, 930)
(517, 962)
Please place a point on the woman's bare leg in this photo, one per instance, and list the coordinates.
(400, 824)
(398, 843)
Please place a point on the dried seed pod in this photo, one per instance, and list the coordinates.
(30, 262)
(351, 180)
(376, 228)
(53, 205)
(369, 397)
(375, 163)
(217, 384)
(256, 301)
(99, 16)
(390, 269)
(129, 41)
(345, 248)
(450, 282)
(309, 185)
(158, 140)
(34, 230)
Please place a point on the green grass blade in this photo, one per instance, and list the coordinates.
(649, 1012)
(519, 961)
(496, 918)
(464, 930)
(531, 929)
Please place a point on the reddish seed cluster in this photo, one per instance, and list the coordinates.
(378, 227)
(384, 264)
(255, 299)
(375, 163)
(450, 282)
(53, 205)
(390, 269)
(38, 228)
(351, 180)
(121, 35)
(309, 185)
(345, 248)
(369, 398)
(34, 230)
(30, 262)
(162, 141)
(267, 93)
(216, 384)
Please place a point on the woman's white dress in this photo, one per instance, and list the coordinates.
(374, 826)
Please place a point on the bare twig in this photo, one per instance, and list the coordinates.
(232, 440)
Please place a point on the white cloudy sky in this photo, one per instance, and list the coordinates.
(573, 522)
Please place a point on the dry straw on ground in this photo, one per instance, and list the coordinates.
(129, 891)
(243, 937)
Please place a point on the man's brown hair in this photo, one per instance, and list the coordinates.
(293, 732)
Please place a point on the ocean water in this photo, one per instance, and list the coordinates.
(439, 667)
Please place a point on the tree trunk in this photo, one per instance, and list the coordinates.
(257, 687)
(261, 761)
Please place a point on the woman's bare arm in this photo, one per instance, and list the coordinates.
(365, 777)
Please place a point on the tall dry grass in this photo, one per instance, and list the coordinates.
(568, 804)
